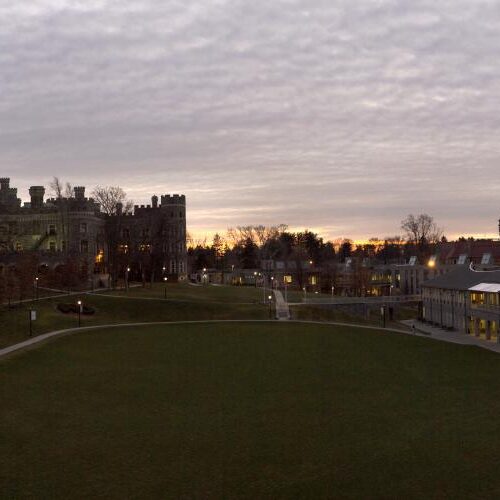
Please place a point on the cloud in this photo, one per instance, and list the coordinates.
(328, 114)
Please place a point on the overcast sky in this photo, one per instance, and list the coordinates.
(341, 116)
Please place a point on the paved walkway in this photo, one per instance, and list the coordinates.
(439, 335)
(59, 333)
(282, 310)
(451, 336)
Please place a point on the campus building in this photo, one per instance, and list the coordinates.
(466, 300)
(152, 237)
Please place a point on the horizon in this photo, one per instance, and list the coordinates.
(201, 233)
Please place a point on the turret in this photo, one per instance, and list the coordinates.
(79, 192)
(4, 183)
(37, 193)
(154, 201)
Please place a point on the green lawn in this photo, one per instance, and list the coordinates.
(205, 293)
(14, 323)
(269, 410)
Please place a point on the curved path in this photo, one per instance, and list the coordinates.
(58, 333)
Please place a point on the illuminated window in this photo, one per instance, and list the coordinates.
(313, 280)
(287, 279)
(19, 247)
(122, 248)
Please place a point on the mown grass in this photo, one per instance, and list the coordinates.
(190, 292)
(263, 410)
(14, 323)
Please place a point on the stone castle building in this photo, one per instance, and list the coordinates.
(151, 241)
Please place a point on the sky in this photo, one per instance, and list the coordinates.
(339, 116)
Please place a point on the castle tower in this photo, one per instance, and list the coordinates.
(79, 192)
(37, 193)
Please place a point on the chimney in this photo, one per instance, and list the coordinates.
(37, 193)
(79, 192)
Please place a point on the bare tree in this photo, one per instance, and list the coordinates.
(113, 202)
(421, 230)
(110, 198)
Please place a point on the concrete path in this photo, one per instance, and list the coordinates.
(58, 333)
(282, 310)
(451, 336)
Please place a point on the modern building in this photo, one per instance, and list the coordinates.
(466, 300)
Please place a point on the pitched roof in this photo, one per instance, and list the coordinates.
(462, 278)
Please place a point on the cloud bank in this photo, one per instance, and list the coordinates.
(335, 115)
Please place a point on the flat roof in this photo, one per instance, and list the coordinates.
(486, 287)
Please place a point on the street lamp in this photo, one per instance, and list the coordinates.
(270, 306)
(305, 293)
(255, 278)
(80, 307)
(333, 290)
(165, 279)
(35, 287)
(126, 278)
(272, 282)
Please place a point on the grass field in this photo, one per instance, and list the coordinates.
(202, 293)
(262, 410)
(183, 303)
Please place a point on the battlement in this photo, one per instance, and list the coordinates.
(79, 192)
(174, 199)
(4, 183)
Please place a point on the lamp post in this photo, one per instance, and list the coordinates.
(35, 288)
(255, 278)
(165, 279)
(270, 306)
(272, 282)
(126, 278)
(333, 291)
(305, 293)
(285, 284)
(80, 306)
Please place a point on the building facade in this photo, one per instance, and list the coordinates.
(466, 300)
(52, 229)
(151, 240)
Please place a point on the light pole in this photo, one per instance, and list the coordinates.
(165, 279)
(333, 290)
(286, 289)
(255, 278)
(80, 306)
(126, 278)
(35, 288)
(305, 293)
(270, 306)
(272, 282)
